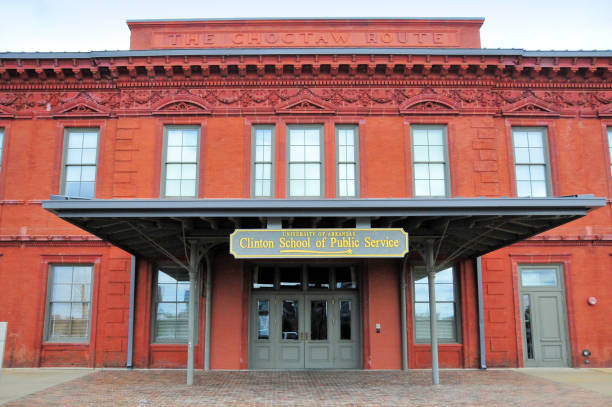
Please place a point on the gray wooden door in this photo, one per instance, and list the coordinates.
(297, 331)
(543, 317)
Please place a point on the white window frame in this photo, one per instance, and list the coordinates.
(68, 131)
(546, 161)
(50, 302)
(321, 160)
(256, 160)
(419, 273)
(347, 161)
(155, 301)
(165, 162)
(444, 162)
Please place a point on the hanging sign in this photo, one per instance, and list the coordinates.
(318, 243)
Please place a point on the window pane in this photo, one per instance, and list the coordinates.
(318, 320)
(166, 292)
(536, 155)
(539, 277)
(290, 277)
(173, 188)
(421, 153)
(188, 171)
(522, 173)
(263, 319)
(60, 292)
(318, 277)
(263, 277)
(173, 171)
(437, 188)
(436, 171)
(88, 173)
(421, 292)
(62, 274)
(345, 319)
(81, 275)
(311, 137)
(290, 320)
(345, 277)
(436, 153)
(421, 171)
(175, 138)
(89, 156)
(538, 189)
(88, 190)
(296, 137)
(297, 171)
(520, 139)
(421, 187)
(313, 171)
(537, 172)
(419, 137)
(190, 137)
(189, 154)
(73, 173)
(444, 292)
(75, 140)
(296, 188)
(523, 188)
(445, 276)
(81, 292)
(188, 188)
(90, 140)
(312, 153)
(521, 155)
(74, 156)
(174, 154)
(535, 139)
(312, 188)
(435, 137)
(166, 311)
(296, 153)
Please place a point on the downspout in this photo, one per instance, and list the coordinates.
(403, 314)
(481, 333)
(208, 310)
(130, 344)
(433, 326)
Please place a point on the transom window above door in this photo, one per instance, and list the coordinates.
(304, 277)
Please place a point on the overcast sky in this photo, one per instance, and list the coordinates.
(84, 25)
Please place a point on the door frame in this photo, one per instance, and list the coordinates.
(561, 273)
(357, 294)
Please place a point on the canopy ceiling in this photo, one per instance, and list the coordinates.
(461, 227)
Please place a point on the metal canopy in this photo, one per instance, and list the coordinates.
(462, 227)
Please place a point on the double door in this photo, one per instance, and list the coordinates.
(304, 331)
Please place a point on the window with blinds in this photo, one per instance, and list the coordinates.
(171, 306)
(446, 306)
(69, 303)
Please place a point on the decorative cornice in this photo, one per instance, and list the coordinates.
(304, 100)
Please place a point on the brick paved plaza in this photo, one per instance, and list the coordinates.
(313, 388)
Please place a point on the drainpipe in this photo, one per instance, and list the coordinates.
(130, 349)
(403, 314)
(208, 310)
(481, 334)
(193, 270)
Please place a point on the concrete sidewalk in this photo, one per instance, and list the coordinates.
(599, 380)
(17, 383)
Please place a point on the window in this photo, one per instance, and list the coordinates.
(69, 303)
(609, 147)
(181, 157)
(263, 162)
(310, 277)
(429, 157)
(171, 306)
(79, 172)
(446, 306)
(347, 144)
(530, 162)
(305, 161)
(1, 146)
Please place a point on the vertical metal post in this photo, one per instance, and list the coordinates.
(193, 269)
(130, 349)
(433, 326)
(481, 333)
(403, 314)
(3, 332)
(208, 311)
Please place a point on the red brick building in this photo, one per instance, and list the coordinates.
(207, 126)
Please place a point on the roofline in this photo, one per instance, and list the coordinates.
(166, 20)
(62, 206)
(306, 51)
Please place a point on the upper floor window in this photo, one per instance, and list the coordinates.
(446, 306)
(305, 161)
(80, 158)
(610, 146)
(262, 182)
(429, 157)
(530, 163)
(171, 306)
(347, 143)
(181, 159)
(69, 303)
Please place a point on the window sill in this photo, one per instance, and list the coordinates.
(61, 345)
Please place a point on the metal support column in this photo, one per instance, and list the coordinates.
(433, 328)
(130, 349)
(193, 270)
(404, 324)
(208, 310)
(481, 333)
